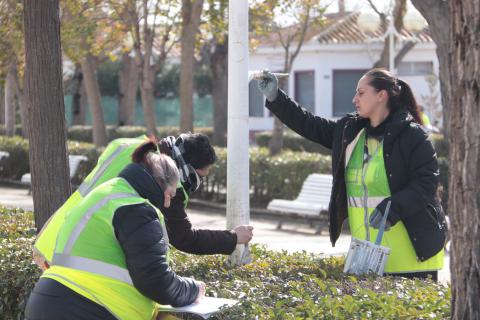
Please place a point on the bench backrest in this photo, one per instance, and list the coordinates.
(316, 189)
(73, 162)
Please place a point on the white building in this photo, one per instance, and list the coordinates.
(325, 73)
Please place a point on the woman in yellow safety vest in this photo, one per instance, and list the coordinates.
(380, 153)
(110, 257)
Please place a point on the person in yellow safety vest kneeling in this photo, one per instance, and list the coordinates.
(193, 156)
(110, 253)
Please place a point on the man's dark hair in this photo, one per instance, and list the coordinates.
(198, 151)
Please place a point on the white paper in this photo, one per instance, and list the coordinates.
(205, 308)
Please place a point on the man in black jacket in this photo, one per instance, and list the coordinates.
(195, 156)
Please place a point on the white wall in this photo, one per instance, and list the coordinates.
(323, 59)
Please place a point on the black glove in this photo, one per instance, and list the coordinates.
(378, 213)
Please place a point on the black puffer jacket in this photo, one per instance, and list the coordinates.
(142, 239)
(410, 163)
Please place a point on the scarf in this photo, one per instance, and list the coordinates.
(188, 175)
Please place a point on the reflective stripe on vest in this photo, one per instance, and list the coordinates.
(93, 266)
(367, 186)
(88, 215)
(87, 186)
(358, 202)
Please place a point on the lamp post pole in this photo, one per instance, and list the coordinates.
(238, 202)
(391, 46)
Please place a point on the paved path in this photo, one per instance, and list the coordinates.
(293, 236)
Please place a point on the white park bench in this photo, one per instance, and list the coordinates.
(73, 161)
(312, 201)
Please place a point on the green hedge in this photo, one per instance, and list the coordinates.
(280, 176)
(17, 163)
(18, 273)
(84, 133)
(270, 177)
(276, 285)
(292, 141)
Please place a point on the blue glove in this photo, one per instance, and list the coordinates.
(268, 85)
(377, 216)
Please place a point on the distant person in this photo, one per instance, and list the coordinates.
(110, 255)
(379, 153)
(194, 156)
(427, 124)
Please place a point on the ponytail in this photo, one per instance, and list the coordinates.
(407, 99)
(139, 155)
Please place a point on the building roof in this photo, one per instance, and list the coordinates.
(346, 30)
(339, 29)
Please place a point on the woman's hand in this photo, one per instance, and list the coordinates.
(244, 234)
(268, 85)
(201, 290)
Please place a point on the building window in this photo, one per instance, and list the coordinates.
(305, 89)
(417, 68)
(255, 100)
(344, 88)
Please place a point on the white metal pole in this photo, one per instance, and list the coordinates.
(391, 54)
(238, 205)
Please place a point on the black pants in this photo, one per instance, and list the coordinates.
(419, 275)
(50, 300)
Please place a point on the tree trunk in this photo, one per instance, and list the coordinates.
(464, 195)
(2, 106)
(22, 107)
(276, 142)
(128, 84)
(191, 11)
(79, 102)
(10, 110)
(46, 110)
(94, 101)
(146, 92)
(437, 14)
(219, 67)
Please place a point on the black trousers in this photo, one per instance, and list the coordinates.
(419, 275)
(50, 300)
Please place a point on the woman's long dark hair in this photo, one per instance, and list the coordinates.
(400, 94)
(140, 153)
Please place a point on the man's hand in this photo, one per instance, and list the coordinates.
(268, 85)
(201, 290)
(244, 234)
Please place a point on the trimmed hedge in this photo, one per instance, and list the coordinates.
(84, 133)
(270, 177)
(276, 285)
(292, 141)
(280, 176)
(17, 163)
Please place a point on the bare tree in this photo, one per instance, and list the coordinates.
(79, 94)
(44, 100)
(128, 85)
(2, 106)
(94, 100)
(191, 11)
(464, 196)
(437, 14)
(307, 14)
(143, 23)
(10, 99)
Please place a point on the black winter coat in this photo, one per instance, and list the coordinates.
(410, 163)
(144, 244)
